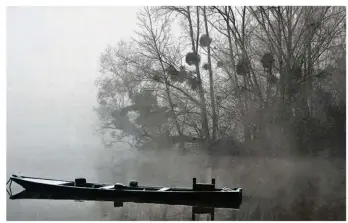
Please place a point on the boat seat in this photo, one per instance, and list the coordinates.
(80, 182)
(164, 189)
(204, 187)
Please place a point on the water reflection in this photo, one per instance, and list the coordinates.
(196, 210)
(276, 189)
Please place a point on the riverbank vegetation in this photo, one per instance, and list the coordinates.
(244, 86)
(241, 79)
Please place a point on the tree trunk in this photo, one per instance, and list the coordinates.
(211, 81)
(205, 126)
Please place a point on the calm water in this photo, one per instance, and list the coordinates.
(63, 160)
(53, 135)
(60, 142)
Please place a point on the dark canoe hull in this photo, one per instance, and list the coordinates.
(118, 201)
(231, 199)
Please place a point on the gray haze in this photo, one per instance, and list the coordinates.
(53, 56)
(52, 63)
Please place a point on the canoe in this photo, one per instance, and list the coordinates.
(80, 189)
(118, 202)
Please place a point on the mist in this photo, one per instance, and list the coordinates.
(165, 94)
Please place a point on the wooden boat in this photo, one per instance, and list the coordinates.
(80, 189)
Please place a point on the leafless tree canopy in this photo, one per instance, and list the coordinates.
(246, 79)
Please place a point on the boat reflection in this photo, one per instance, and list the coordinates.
(197, 208)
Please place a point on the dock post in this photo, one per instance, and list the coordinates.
(213, 181)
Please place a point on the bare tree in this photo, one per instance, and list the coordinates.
(266, 66)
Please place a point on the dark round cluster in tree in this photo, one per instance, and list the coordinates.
(267, 60)
(218, 98)
(156, 77)
(182, 74)
(177, 78)
(206, 66)
(220, 63)
(171, 70)
(183, 71)
(296, 73)
(242, 67)
(294, 79)
(175, 75)
(192, 58)
(193, 82)
(205, 41)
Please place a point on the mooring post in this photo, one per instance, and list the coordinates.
(212, 216)
(193, 217)
(213, 181)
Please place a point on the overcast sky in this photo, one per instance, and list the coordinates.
(52, 63)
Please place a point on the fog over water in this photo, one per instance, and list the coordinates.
(52, 63)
